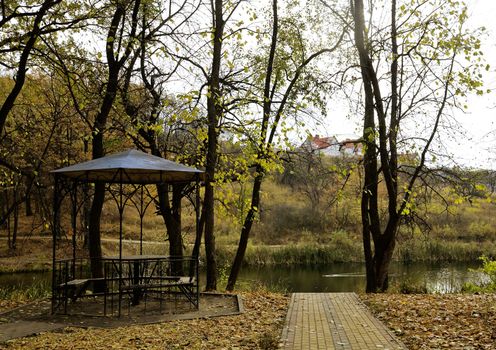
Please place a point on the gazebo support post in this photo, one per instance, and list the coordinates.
(94, 235)
(141, 215)
(74, 226)
(198, 237)
(56, 208)
(121, 210)
(175, 237)
(196, 248)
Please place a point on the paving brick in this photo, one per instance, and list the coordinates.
(330, 321)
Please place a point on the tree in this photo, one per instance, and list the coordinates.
(22, 24)
(278, 96)
(149, 108)
(93, 85)
(410, 73)
(37, 138)
(320, 178)
(214, 114)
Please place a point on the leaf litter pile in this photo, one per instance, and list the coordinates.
(434, 321)
(259, 327)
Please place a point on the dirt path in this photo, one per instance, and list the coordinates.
(112, 240)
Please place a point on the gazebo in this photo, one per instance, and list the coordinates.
(140, 279)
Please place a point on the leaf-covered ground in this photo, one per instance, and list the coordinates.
(453, 321)
(10, 304)
(258, 328)
(450, 321)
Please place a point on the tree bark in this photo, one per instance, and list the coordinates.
(371, 230)
(171, 214)
(114, 66)
(245, 232)
(382, 143)
(13, 243)
(214, 112)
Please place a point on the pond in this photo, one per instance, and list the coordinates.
(342, 277)
(350, 277)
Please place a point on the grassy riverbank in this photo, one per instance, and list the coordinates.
(307, 254)
(35, 254)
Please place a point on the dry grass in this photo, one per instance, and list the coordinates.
(32, 254)
(286, 221)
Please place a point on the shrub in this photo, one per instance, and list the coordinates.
(489, 270)
(268, 340)
(410, 287)
(480, 230)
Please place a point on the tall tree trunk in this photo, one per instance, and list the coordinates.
(214, 112)
(267, 134)
(369, 208)
(29, 207)
(94, 236)
(211, 283)
(171, 214)
(245, 231)
(378, 257)
(114, 67)
(13, 243)
(262, 148)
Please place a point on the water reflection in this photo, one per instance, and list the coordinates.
(344, 277)
(350, 277)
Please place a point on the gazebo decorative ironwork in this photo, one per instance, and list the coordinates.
(136, 276)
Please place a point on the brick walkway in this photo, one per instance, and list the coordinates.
(333, 321)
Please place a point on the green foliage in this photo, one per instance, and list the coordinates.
(488, 269)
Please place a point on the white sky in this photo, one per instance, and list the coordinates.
(480, 118)
(478, 147)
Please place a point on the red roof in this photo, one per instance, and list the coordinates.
(322, 142)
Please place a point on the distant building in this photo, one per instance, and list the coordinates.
(344, 145)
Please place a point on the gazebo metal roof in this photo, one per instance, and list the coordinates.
(131, 166)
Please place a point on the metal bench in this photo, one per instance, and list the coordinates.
(76, 287)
